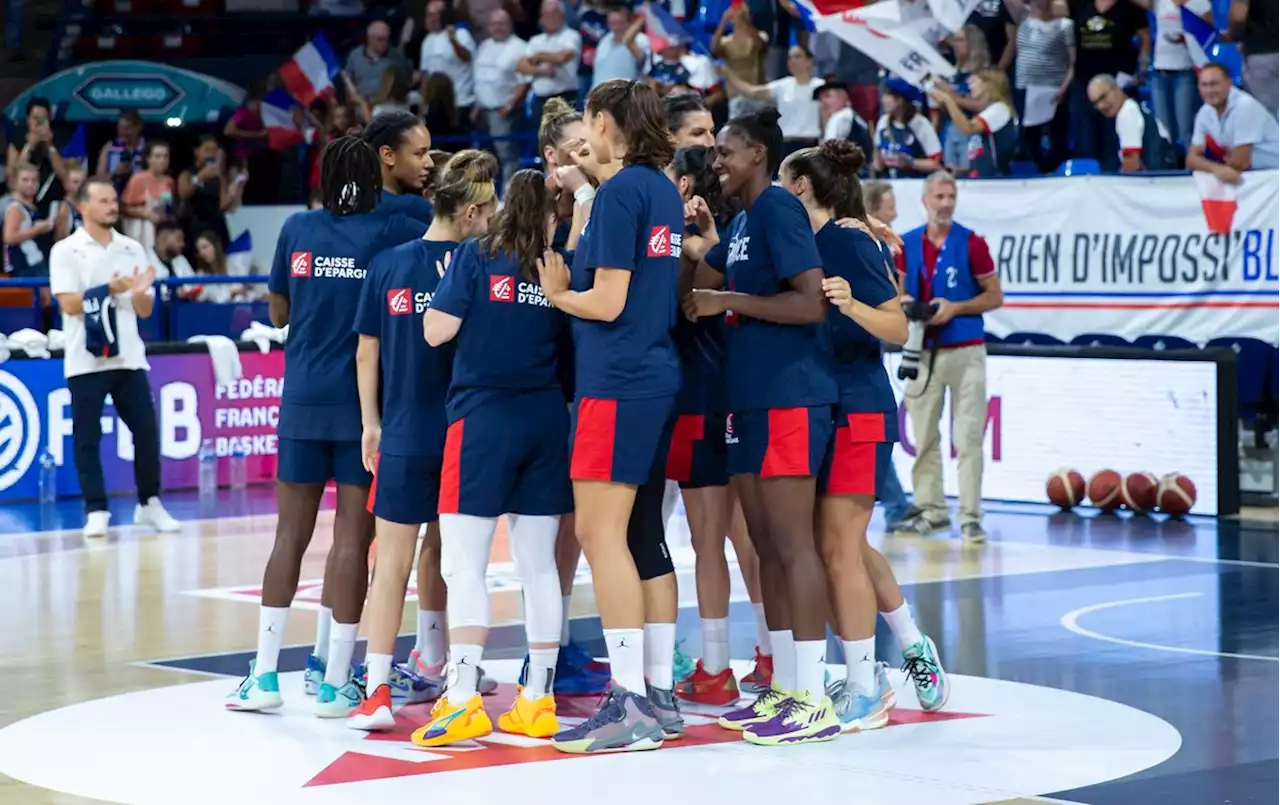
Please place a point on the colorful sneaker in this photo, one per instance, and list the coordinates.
(406, 684)
(256, 693)
(681, 663)
(857, 709)
(761, 677)
(701, 687)
(340, 702)
(485, 684)
(762, 709)
(533, 717)
(579, 656)
(374, 713)
(666, 711)
(571, 679)
(883, 686)
(797, 721)
(451, 723)
(924, 669)
(315, 674)
(625, 722)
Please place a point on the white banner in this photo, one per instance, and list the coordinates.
(1128, 256)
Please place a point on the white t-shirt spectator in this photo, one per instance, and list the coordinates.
(702, 71)
(995, 117)
(1170, 47)
(1245, 122)
(438, 56)
(1131, 126)
(78, 263)
(840, 125)
(615, 60)
(797, 109)
(496, 74)
(565, 77)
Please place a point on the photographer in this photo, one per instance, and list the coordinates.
(949, 281)
(126, 153)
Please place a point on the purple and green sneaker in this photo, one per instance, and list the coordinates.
(797, 721)
(762, 709)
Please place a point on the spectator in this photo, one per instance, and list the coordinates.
(1234, 132)
(148, 198)
(623, 52)
(500, 89)
(592, 25)
(245, 129)
(393, 92)
(1173, 77)
(440, 111)
(1145, 144)
(1044, 67)
(66, 216)
(206, 192)
(450, 50)
(338, 120)
(993, 19)
(840, 122)
(1253, 25)
(992, 134)
(39, 150)
(211, 261)
(366, 65)
(743, 52)
(124, 154)
(551, 59)
(906, 143)
(23, 256)
(1104, 31)
(794, 98)
(969, 47)
(167, 256)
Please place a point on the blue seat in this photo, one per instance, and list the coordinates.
(1020, 168)
(1032, 339)
(1099, 340)
(1255, 371)
(1162, 342)
(1080, 167)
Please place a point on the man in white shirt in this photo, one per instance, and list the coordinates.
(99, 273)
(624, 51)
(840, 122)
(448, 49)
(551, 59)
(1233, 131)
(500, 89)
(1145, 144)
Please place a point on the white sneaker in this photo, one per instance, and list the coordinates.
(96, 524)
(154, 515)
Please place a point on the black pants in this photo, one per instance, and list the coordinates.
(131, 394)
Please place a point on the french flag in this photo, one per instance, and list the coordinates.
(1199, 37)
(277, 115)
(240, 255)
(1217, 200)
(310, 73)
(663, 30)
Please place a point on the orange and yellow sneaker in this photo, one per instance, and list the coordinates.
(701, 687)
(761, 677)
(452, 723)
(535, 718)
(374, 713)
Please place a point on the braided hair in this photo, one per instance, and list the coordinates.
(350, 176)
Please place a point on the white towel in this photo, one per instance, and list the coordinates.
(32, 342)
(57, 340)
(264, 335)
(224, 355)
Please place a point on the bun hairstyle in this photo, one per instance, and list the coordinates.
(350, 176)
(832, 170)
(466, 179)
(695, 162)
(556, 115)
(639, 113)
(678, 104)
(761, 128)
(520, 228)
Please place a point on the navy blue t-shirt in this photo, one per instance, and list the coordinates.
(510, 338)
(416, 207)
(415, 375)
(320, 264)
(637, 225)
(863, 381)
(703, 353)
(773, 365)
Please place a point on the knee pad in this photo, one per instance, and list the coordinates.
(465, 542)
(646, 532)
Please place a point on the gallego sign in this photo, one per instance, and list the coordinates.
(154, 94)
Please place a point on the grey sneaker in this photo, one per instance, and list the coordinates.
(923, 527)
(910, 514)
(625, 722)
(973, 532)
(666, 711)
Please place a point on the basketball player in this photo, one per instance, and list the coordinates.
(316, 279)
(781, 388)
(403, 145)
(404, 437)
(623, 297)
(507, 452)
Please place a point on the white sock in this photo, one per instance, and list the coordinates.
(626, 657)
(322, 633)
(542, 673)
(784, 660)
(811, 668)
(432, 628)
(860, 663)
(379, 666)
(271, 621)
(564, 629)
(715, 644)
(903, 625)
(763, 644)
(659, 654)
(342, 644)
(464, 672)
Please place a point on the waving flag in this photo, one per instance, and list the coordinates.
(663, 30)
(277, 114)
(310, 73)
(878, 31)
(240, 255)
(78, 146)
(1199, 37)
(953, 14)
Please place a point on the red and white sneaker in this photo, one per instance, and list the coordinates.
(701, 687)
(761, 677)
(374, 714)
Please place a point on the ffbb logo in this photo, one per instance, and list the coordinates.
(300, 264)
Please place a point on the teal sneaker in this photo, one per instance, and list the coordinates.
(315, 674)
(857, 709)
(334, 702)
(682, 664)
(257, 693)
(924, 669)
(884, 688)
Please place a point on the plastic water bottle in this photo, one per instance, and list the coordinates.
(239, 469)
(48, 478)
(208, 457)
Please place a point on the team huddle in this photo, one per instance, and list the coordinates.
(653, 308)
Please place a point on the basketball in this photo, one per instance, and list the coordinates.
(1176, 494)
(1104, 490)
(1065, 489)
(1139, 491)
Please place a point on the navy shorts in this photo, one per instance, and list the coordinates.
(858, 458)
(778, 442)
(405, 489)
(317, 461)
(697, 457)
(620, 441)
(509, 454)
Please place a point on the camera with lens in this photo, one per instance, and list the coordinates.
(918, 314)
